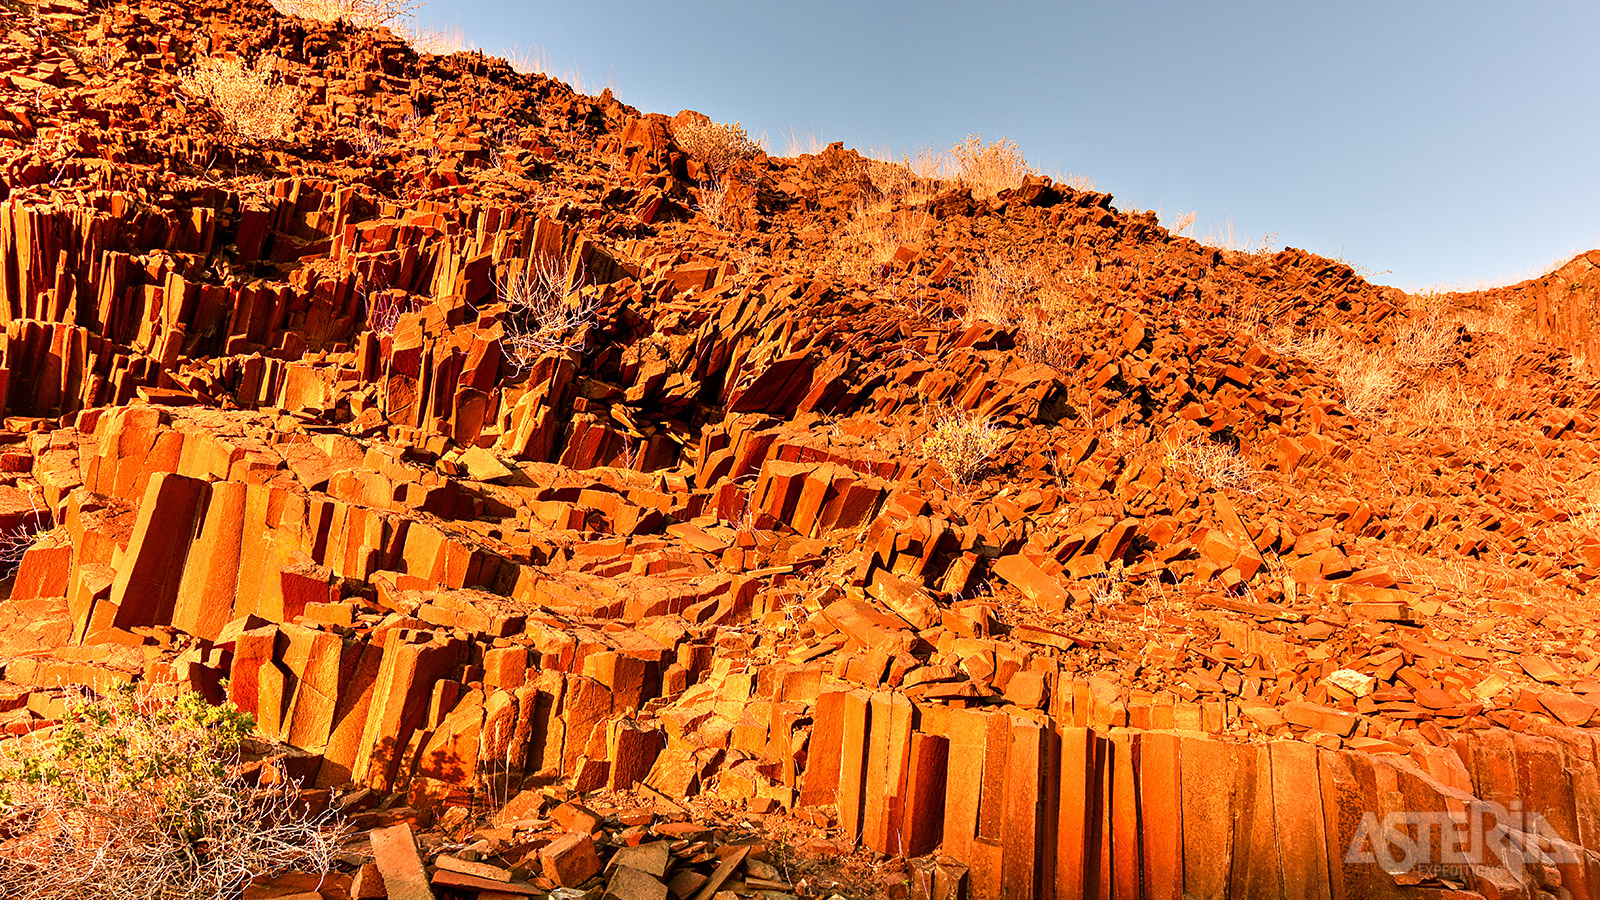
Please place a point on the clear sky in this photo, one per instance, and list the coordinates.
(1428, 144)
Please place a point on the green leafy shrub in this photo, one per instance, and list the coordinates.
(131, 798)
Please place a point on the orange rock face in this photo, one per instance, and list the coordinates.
(1011, 545)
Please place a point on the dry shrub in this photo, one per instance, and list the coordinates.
(541, 316)
(145, 799)
(963, 443)
(1211, 459)
(360, 13)
(719, 147)
(988, 169)
(254, 103)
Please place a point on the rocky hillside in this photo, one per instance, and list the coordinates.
(588, 498)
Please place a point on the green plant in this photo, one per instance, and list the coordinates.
(133, 797)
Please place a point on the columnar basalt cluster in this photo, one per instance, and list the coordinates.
(616, 611)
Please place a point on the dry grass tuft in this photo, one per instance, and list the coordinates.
(865, 248)
(252, 100)
(1372, 376)
(988, 169)
(1227, 238)
(964, 443)
(796, 143)
(719, 147)
(713, 202)
(134, 798)
(541, 317)
(1212, 460)
(434, 41)
(910, 180)
(1047, 306)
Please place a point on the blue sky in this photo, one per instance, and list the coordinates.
(1428, 144)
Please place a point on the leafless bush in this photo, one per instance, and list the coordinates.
(360, 13)
(14, 544)
(129, 799)
(541, 317)
(718, 147)
(16, 541)
(963, 443)
(250, 99)
(1212, 460)
(384, 309)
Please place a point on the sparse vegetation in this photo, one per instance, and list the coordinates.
(721, 148)
(360, 13)
(988, 169)
(1045, 306)
(1371, 375)
(1226, 238)
(1211, 459)
(384, 309)
(866, 246)
(16, 541)
(541, 316)
(14, 544)
(964, 443)
(252, 100)
(133, 797)
(713, 202)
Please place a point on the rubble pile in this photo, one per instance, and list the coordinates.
(601, 602)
